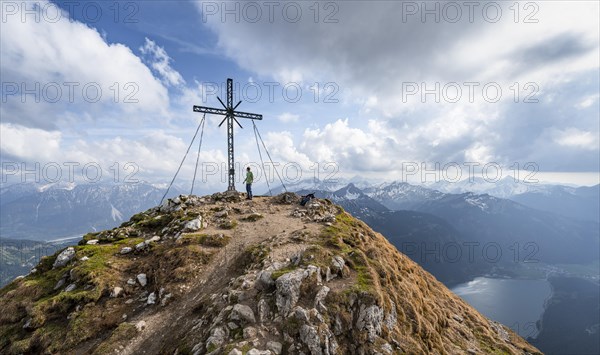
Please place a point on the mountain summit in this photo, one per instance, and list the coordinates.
(220, 275)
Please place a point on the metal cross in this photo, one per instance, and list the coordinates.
(230, 115)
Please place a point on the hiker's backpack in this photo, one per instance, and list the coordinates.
(306, 198)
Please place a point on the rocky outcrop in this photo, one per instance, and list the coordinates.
(64, 257)
(219, 275)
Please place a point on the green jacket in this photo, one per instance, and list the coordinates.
(249, 177)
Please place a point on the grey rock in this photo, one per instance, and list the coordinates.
(116, 292)
(126, 250)
(151, 298)
(250, 332)
(288, 290)
(85, 258)
(142, 279)
(235, 352)
(131, 282)
(263, 310)
(60, 283)
(92, 242)
(387, 349)
(370, 319)
(141, 246)
(337, 265)
(310, 337)
(232, 325)
(275, 347)
(70, 288)
(301, 314)
(194, 224)
(216, 338)
(141, 325)
(328, 218)
(320, 297)
(64, 257)
(153, 239)
(243, 313)
(264, 281)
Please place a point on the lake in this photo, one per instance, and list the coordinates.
(518, 304)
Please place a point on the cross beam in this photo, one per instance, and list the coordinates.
(230, 115)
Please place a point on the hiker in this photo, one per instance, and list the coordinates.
(248, 180)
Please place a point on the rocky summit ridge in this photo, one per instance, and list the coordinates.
(222, 275)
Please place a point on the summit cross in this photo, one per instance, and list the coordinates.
(230, 115)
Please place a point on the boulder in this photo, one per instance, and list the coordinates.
(126, 250)
(92, 242)
(194, 224)
(70, 288)
(243, 313)
(64, 257)
(140, 246)
(264, 281)
(288, 290)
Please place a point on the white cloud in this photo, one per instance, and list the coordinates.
(54, 54)
(587, 101)
(575, 138)
(370, 52)
(160, 62)
(29, 143)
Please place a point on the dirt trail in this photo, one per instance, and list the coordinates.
(277, 223)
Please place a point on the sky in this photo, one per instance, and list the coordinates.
(379, 90)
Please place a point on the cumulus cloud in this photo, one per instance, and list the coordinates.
(69, 67)
(538, 61)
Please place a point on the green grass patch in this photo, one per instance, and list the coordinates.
(278, 273)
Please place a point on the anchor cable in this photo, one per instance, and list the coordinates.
(186, 153)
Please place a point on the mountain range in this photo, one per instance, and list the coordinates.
(47, 212)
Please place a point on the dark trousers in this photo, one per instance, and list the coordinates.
(249, 190)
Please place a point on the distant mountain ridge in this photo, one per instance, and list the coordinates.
(499, 232)
(43, 212)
